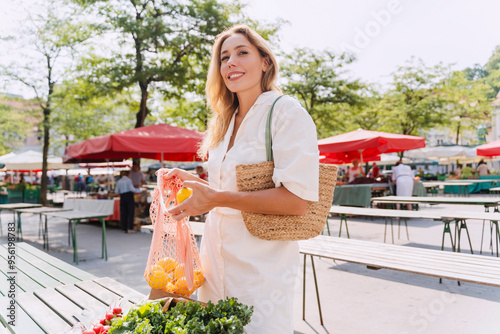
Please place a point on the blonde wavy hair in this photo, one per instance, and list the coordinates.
(221, 101)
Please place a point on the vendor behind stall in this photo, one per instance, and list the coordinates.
(126, 190)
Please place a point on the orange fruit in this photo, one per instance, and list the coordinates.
(199, 279)
(169, 288)
(179, 272)
(183, 194)
(181, 288)
(158, 279)
(168, 264)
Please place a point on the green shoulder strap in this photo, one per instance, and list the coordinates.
(269, 139)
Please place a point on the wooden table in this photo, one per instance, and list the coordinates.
(14, 206)
(429, 262)
(39, 211)
(343, 211)
(51, 296)
(461, 185)
(487, 202)
(460, 218)
(74, 217)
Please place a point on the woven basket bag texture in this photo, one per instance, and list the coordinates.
(256, 177)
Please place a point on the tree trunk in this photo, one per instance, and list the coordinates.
(143, 108)
(458, 134)
(46, 141)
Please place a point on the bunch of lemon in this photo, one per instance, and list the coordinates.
(167, 275)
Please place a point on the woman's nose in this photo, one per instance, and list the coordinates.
(231, 62)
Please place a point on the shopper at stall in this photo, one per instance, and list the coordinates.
(403, 176)
(241, 87)
(137, 176)
(126, 190)
(482, 169)
(201, 173)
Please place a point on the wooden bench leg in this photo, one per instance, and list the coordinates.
(304, 290)
(459, 225)
(104, 250)
(343, 218)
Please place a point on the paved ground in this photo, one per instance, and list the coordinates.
(354, 299)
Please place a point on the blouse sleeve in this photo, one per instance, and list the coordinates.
(295, 149)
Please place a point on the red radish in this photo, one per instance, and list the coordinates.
(89, 331)
(102, 321)
(109, 315)
(98, 328)
(118, 315)
(106, 328)
(117, 309)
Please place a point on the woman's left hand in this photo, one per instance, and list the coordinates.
(200, 202)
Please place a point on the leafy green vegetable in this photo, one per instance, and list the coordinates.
(226, 317)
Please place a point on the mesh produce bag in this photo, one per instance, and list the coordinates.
(174, 262)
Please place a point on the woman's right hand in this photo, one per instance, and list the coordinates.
(184, 176)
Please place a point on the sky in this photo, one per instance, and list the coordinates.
(383, 34)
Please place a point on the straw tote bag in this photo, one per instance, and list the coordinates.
(256, 177)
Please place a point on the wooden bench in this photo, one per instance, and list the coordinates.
(51, 296)
(450, 265)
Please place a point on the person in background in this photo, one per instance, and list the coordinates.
(126, 190)
(355, 171)
(458, 172)
(482, 169)
(374, 171)
(137, 176)
(403, 176)
(201, 173)
(467, 171)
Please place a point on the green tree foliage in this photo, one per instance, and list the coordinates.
(466, 102)
(17, 118)
(415, 102)
(50, 37)
(160, 45)
(319, 79)
(80, 112)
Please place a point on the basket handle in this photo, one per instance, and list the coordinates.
(269, 138)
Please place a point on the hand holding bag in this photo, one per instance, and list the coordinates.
(255, 177)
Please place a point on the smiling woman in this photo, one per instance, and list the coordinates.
(241, 90)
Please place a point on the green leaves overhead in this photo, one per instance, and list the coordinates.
(158, 45)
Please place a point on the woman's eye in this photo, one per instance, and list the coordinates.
(243, 52)
(223, 59)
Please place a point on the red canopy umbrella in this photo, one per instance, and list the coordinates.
(490, 149)
(344, 158)
(160, 142)
(366, 143)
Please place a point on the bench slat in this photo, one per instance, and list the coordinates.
(123, 290)
(482, 264)
(49, 321)
(376, 260)
(33, 272)
(23, 324)
(59, 304)
(406, 259)
(415, 260)
(55, 262)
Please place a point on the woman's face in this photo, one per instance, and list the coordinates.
(242, 66)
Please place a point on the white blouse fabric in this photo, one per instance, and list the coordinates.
(258, 272)
(403, 175)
